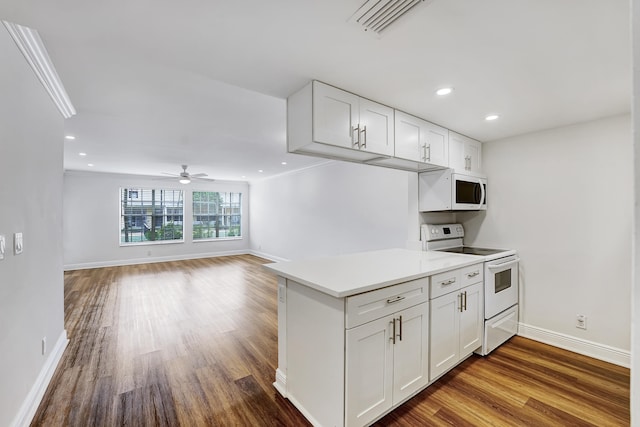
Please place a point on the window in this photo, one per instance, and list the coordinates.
(216, 215)
(149, 215)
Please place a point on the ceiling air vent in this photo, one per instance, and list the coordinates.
(376, 16)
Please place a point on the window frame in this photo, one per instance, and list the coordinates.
(141, 190)
(230, 216)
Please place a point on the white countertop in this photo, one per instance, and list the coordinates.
(345, 275)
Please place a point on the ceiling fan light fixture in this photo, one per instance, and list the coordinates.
(444, 91)
(184, 180)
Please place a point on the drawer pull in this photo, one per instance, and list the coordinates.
(474, 274)
(396, 299)
(449, 282)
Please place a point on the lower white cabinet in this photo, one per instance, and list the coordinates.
(456, 327)
(349, 361)
(386, 362)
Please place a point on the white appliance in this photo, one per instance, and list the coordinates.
(500, 281)
(445, 190)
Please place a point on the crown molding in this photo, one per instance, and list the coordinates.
(34, 51)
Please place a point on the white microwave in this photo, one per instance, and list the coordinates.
(445, 190)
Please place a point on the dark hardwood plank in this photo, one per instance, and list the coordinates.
(194, 343)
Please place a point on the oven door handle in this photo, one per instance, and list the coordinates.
(504, 264)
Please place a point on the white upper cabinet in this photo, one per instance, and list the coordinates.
(375, 128)
(344, 119)
(421, 141)
(329, 122)
(325, 121)
(335, 115)
(465, 154)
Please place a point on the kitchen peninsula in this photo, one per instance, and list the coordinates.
(354, 331)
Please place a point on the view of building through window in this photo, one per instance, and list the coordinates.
(216, 215)
(148, 215)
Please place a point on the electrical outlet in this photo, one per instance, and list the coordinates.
(581, 321)
(17, 243)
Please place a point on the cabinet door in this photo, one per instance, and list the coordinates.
(369, 362)
(376, 128)
(437, 144)
(444, 335)
(335, 115)
(409, 134)
(473, 152)
(465, 154)
(411, 352)
(420, 141)
(471, 319)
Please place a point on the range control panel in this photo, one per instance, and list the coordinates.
(430, 232)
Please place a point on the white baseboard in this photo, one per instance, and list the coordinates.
(281, 383)
(268, 256)
(150, 260)
(31, 403)
(588, 348)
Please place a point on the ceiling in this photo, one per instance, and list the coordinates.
(157, 84)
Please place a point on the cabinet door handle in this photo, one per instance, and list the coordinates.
(364, 138)
(393, 332)
(424, 152)
(356, 130)
(460, 302)
(395, 299)
(465, 300)
(449, 282)
(474, 274)
(400, 320)
(428, 150)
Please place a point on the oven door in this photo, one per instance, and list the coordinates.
(500, 285)
(468, 193)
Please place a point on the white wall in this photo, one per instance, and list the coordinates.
(31, 284)
(562, 199)
(92, 222)
(334, 208)
(635, 331)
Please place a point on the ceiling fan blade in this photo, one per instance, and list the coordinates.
(170, 174)
(202, 178)
(198, 175)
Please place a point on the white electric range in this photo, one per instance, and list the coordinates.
(500, 281)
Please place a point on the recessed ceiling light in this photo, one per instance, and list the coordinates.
(82, 154)
(71, 137)
(491, 117)
(90, 165)
(260, 170)
(444, 91)
(283, 163)
(243, 176)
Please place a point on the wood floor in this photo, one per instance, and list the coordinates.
(194, 343)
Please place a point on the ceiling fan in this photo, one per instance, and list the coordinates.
(185, 177)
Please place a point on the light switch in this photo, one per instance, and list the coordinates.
(3, 245)
(17, 243)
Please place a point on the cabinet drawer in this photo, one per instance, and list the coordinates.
(368, 306)
(472, 274)
(444, 283)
